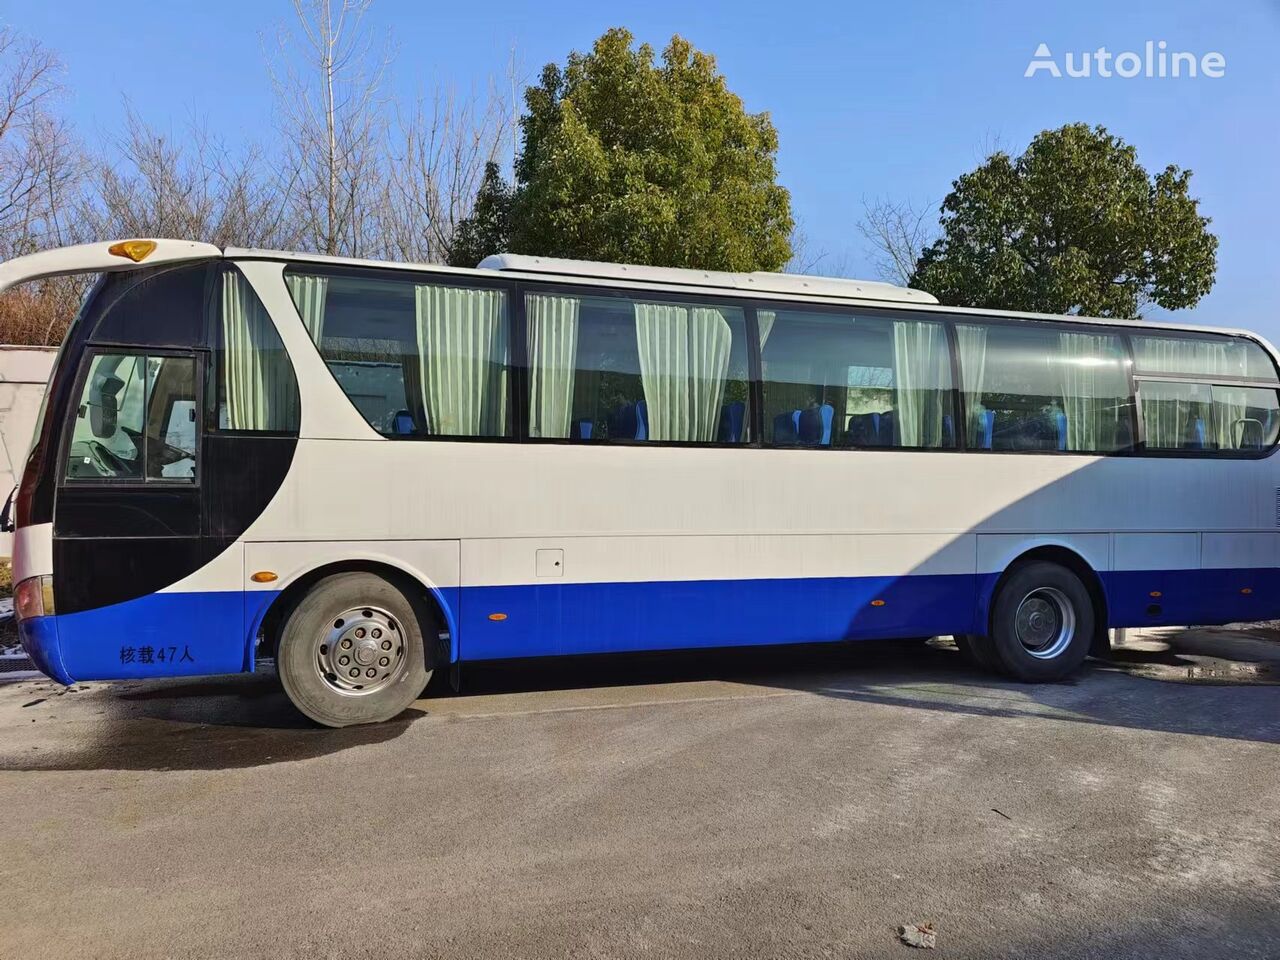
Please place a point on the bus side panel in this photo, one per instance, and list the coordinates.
(613, 594)
(1166, 579)
(195, 626)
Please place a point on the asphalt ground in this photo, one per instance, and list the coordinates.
(774, 802)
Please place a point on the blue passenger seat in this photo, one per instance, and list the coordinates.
(948, 430)
(732, 416)
(581, 429)
(986, 430)
(630, 422)
(786, 428)
(863, 430)
(1195, 439)
(813, 426)
(402, 423)
(1060, 420)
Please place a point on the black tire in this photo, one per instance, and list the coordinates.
(979, 650)
(325, 627)
(1055, 631)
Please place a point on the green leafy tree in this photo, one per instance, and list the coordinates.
(1073, 225)
(628, 160)
(488, 229)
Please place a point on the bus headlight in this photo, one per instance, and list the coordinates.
(33, 597)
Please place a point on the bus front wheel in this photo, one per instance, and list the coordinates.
(1041, 623)
(352, 651)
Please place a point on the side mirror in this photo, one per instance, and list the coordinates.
(103, 412)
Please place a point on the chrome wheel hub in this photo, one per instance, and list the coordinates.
(1045, 622)
(361, 651)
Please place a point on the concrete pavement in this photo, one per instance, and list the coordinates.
(768, 803)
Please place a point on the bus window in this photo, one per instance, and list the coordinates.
(613, 368)
(1202, 356)
(836, 379)
(416, 359)
(1205, 417)
(171, 418)
(257, 390)
(1044, 388)
(136, 420)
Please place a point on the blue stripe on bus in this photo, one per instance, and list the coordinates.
(184, 634)
(549, 618)
(157, 635)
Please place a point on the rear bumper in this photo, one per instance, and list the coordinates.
(39, 637)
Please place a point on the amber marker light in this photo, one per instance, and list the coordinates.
(497, 617)
(877, 603)
(264, 576)
(135, 250)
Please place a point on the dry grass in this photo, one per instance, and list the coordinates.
(39, 313)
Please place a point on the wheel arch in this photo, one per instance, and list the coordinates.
(265, 631)
(1063, 556)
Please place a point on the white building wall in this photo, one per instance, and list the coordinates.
(24, 371)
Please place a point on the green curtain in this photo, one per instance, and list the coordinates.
(972, 343)
(921, 367)
(257, 396)
(1166, 420)
(1089, 371)
(309, 295)
(1168, 410)
(462, 349)
(1232, 427)
(1190, 357)
(684, 359)
(553, 351)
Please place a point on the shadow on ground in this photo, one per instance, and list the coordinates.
(206, 724)
(1214, 682)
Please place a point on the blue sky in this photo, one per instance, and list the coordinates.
(888, 100)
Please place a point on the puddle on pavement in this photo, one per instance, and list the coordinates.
(1205, 655)
(208, 724)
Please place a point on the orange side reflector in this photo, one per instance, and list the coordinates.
(497, 617)
(263, 576)
(877, 603)
(135, 250)
(1156, 593)
(1247, 590)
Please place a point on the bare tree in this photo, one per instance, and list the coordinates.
(898, 234)
(40, 162)
(41, 172)
(328, 75)
(437, 163)
(188, 186)
(808, 260)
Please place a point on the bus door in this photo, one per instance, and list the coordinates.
(128, 523)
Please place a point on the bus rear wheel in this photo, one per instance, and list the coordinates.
(1041, 623)
(351, 651)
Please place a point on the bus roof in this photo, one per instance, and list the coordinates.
(108, 256)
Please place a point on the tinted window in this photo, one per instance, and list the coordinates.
(1044, 388)
(136, 419)
(165, 308)
(1202, 356)
(835, 379)
(1206, 417)
(255, 384)
(416, 359)
(610, 368)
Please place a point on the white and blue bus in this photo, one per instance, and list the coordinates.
(371, 471)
